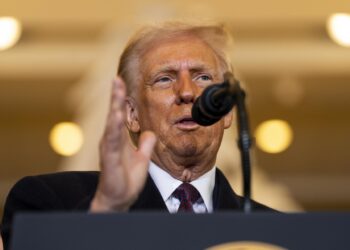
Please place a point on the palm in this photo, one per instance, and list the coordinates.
(123, 168)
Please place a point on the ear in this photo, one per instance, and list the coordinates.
(228, 119)
(132, 116)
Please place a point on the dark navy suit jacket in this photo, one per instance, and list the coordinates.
(72, 191)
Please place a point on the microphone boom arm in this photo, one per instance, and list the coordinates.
(244, 145)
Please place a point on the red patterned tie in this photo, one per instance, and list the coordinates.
(188, 195)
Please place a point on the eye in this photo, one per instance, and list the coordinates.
(163, 79)
(204, 78)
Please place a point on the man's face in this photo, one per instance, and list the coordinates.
(173, 74)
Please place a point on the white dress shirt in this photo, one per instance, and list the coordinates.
(167, 184)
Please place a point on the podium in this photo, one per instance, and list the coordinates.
(82, 231)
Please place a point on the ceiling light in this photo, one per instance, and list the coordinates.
(10, 31)
(274, 136)
(66, 138)
(338, 26)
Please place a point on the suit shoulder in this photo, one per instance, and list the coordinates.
(57, 190)
(228, 199)
(48, 192)
(66, 180)
(259, 207)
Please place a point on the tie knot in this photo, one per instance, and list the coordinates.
(187, 193)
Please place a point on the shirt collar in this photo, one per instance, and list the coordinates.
(167, 184)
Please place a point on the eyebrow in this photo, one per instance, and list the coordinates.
(168, 66)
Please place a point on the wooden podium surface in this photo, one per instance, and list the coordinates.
(58, 231)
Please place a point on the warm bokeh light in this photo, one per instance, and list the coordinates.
(10, 31)
(338, 26)
(274, 136)
(66, 138)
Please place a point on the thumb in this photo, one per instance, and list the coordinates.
(146, 143)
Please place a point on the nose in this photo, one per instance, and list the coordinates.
(186, 90)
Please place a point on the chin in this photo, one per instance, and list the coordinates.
(187, 149)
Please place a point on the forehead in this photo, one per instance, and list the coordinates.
(176, 54)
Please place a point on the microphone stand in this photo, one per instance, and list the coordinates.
(244, 144)
(215, 102)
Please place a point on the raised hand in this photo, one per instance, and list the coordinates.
(123, 168)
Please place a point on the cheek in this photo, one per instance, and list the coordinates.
(215, 133)
(155, 111)
(159, 106)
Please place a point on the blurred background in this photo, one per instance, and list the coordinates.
(57, 59)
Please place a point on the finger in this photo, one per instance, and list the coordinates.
(117, 106)
(146, 143)
(114, 137)
(118, 95)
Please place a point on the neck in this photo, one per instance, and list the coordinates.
(184, 168)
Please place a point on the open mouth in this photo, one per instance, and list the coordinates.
(186, 123)
(187, 120)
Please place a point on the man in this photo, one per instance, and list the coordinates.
(161, 73)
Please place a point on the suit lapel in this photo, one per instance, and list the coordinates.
(149, 199)
(224, 198)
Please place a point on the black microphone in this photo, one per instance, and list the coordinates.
(216, 101)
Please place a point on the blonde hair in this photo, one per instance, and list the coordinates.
(216, 37)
